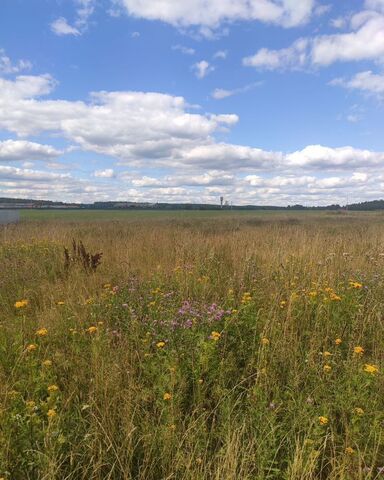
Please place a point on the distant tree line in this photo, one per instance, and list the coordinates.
(29, 203)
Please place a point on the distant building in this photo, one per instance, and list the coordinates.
(9, 216)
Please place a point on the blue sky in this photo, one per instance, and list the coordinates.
(261, 101)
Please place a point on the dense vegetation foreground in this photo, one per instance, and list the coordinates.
(242, 347)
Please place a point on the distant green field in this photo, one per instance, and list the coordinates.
(96, 215)
(180, 216)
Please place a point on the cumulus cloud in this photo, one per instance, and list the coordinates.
(84, 9)
(202, 69)
(61, 27)
(320, 157)
(222, 54)
(295, 57)
(363, 41)
(220, 93)
(8, 67)
(106, 173)
(132, 126)
(210, 15)
(16, 150)
(184, 50)
(170, 149)
(367, 82)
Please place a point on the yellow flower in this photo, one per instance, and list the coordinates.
(52, 388)
(312, 294)
(107, 285)
(265, 341)
(372, 369)
(283, 303)
(30, 404)
(334, 297)
(160, 344)
(349, 450)
(47, 363)
(358, 411)
(246, 298)
(32, 347)
(323, 420)
(21, 303)
(92, 329)
(358, 350)
(327, 354)
(201, 381)
(167, 396)
(327, 368)
(338, 341)
(60, 303)
(51, 413)
(215, 336)
(356, 285)
(42, 332)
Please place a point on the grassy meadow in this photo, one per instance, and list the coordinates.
(205, 346)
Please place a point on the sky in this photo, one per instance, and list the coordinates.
(263, 102)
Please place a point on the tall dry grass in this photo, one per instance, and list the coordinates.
(201, 348)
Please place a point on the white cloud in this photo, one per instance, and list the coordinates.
(132, 126)
(202, 69)
(15, 173)
(220, 93)
(84, 9)
(12, 150)
(293, 57)
(364, 41)
(184, 50)
(221, 54)
(212, 14)
(226, 157)
(320, 157)
(107, 173)
(353, 118)
(171, 152)
(61, 27)
(367, 82)
(339, 22)
(8, 67)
